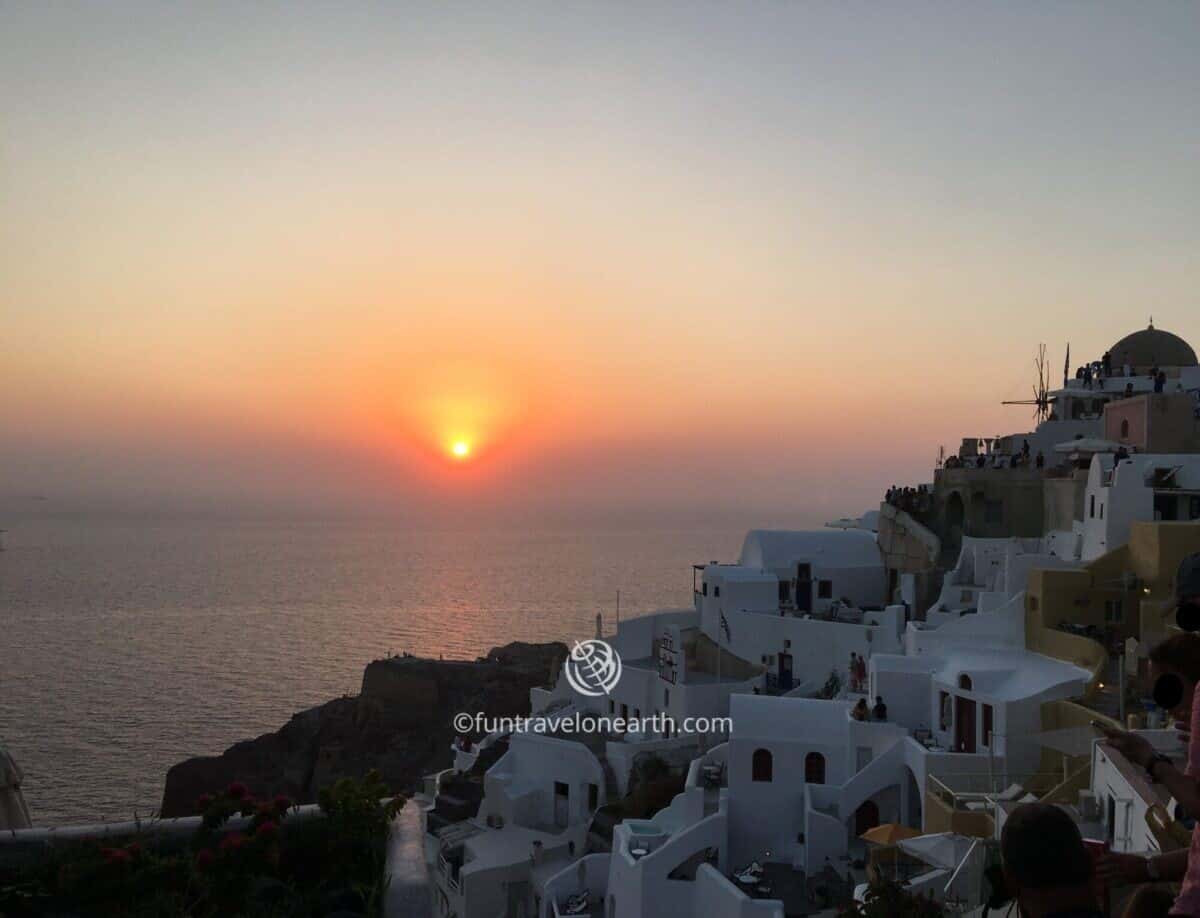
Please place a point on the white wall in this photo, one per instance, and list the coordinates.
(715, 896)
(520, 786)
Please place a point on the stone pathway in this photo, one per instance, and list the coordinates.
(408, 894)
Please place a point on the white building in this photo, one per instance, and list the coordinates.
(1139, 487)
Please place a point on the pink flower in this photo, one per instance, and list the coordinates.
(267, 829)
(232, 841)
(237, 790)
(204, 858)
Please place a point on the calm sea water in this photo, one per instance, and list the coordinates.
(127, 644)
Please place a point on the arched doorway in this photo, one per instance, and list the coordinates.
(866, 817)
(814, 768)
(761, 765)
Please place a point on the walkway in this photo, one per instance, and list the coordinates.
(408, 894)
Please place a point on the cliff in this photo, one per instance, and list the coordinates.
(400, 724)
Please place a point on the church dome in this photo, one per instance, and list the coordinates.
(1152, 347)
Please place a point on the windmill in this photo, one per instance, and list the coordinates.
(1041, 389)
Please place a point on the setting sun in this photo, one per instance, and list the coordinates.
(461, 449)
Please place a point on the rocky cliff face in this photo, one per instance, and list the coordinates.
(399, 724)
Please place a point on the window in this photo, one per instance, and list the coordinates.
(944, 715)
(1165, 507)
(704, 588)
(1194, 508)
(785, 591)
(814, 768)
(964, 682)
(1092, 507)
(987, 725)
(1124, 429)
(760, 765)
(1033, 603)
(716, 591)
(1114, 612)
(824, 589)
(593, 797)
(1102, 511)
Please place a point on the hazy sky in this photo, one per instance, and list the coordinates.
(763, 257)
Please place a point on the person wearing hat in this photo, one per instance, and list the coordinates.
(1175, 668)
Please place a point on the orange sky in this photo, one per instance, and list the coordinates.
(637, 264)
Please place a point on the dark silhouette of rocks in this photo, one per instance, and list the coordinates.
(400, 724)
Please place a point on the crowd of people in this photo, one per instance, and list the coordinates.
(1094, 374)
(910, 500)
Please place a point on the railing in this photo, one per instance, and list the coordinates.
(446, 869)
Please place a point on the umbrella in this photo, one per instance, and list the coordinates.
(14, 814)
(889, 833)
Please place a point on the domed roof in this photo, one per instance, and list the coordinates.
(1152, 347)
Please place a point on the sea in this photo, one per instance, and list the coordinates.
(129, 642)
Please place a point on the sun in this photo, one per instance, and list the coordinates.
(461, 449)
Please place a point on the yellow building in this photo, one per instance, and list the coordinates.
(1129, 592)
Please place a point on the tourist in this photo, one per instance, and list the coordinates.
(1175, 669)
(1040, 462)
(1129, 390)
(979, 462)
(862, 670)
(861, 711)
(1046, 867)
(1160, 381)
(880, 709)
(1106, 362)
(852, 669)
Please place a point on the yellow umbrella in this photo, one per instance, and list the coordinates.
(889, 833)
